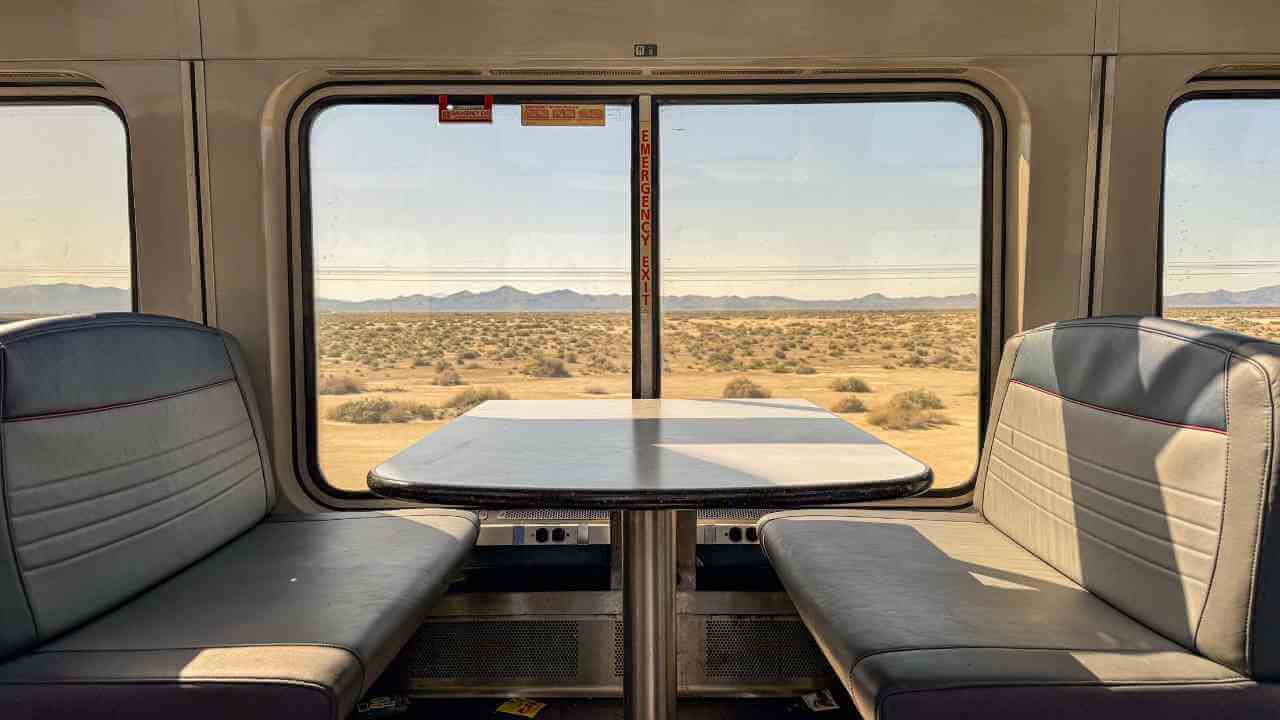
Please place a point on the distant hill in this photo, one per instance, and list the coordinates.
(63, 299)
(1268, 296)
(509, 299)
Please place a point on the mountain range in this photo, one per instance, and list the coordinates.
(1268, 296)
(63, 299)
(73, 298)
(509, 299)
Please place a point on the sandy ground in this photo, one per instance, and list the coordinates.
(347, 451)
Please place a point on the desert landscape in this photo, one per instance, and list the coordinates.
(386, 379)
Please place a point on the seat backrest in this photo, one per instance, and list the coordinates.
(130, 447)
(1138, 457)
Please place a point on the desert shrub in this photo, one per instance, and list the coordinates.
(595, 390)
(442, 365)
(545, 367)
(911, 410)
(471, 397)
(806, 370)
(339, 385)
(850, 384)
(849, 404)
(468, 355)
(743, 387)
(367, 411)
(448, 378)
(927, 399)
(720, 359)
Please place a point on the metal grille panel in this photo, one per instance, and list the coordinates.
(749, 648)
(489, 649)
(619, 650)
(741, 514)
(553, 514)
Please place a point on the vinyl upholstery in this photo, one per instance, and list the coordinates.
(1120, 555)
(138, 562)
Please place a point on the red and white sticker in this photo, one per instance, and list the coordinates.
(561, 115)
(466, 108)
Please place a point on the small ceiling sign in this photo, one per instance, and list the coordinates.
(466, 108)
(646, 50)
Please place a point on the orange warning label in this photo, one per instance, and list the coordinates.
(550, 114)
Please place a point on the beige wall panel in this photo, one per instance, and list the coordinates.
(1199, 26)
(93, 29)
(1048, 119)
(235, 96)
(606, 29)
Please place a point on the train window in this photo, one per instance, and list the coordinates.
(828, 251)
(457, 262)
(1222, 214)
(65, 238)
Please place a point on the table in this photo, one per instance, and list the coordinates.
(649, 458)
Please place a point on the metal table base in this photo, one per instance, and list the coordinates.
(649, 614)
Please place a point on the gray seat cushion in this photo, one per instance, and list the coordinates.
(295, 618)
(919, 610)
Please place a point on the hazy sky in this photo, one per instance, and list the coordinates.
(820, 200)
(809, 201)
(64, 200)
(812, 201)
(1222, 195)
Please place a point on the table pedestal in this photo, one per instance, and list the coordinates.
(649, 613)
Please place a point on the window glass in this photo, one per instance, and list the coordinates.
(457, 262)
(1222, 215)
(829, 252)
(65, 242)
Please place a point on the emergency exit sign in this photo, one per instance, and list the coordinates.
(646, 50)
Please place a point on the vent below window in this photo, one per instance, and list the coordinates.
(495, 649)
(751, 648)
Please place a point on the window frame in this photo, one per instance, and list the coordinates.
(986, 359)
(1203, 90)
(307, 269)
(82, 95)
(639, 93)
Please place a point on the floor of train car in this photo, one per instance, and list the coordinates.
(579, 709)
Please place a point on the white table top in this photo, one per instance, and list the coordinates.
(649, 454)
